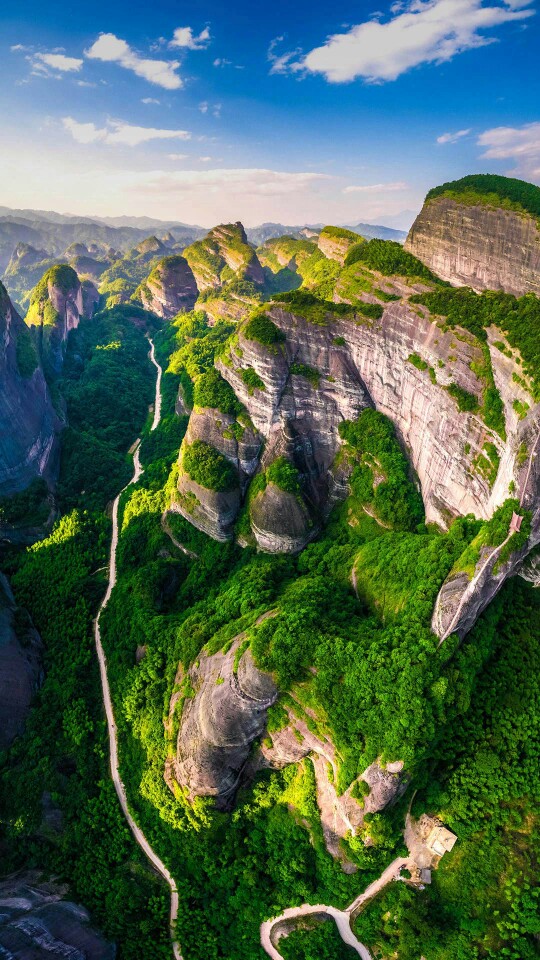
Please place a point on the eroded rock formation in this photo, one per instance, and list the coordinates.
(224, 255)
(57, 305)
(483, 247)
(170, 288)
(36, 923)
(225, 714)
(28, 423)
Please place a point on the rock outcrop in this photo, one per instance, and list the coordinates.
(28, 423)
(170, 288)
(56, 307)
(478, 244)
(224, 713)
(224, 255)
(36, 923)
(405, 363)
(335, 242)
(20, 665)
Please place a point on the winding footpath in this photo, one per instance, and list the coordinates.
(106, 692)
(272, 930)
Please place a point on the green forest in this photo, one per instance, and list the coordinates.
(463, 719)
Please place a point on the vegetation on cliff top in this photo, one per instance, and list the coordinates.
(208, 467)
(389, 258)
(492, 190)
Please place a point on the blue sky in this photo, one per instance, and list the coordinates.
(303, 112)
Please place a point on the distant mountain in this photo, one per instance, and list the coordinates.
(270, 231)
(379, 232)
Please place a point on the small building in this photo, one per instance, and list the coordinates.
(440, 840)
(425, 875)
(515, 523)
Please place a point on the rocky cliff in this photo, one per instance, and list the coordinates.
(56, 306)
(28, 423)
(481, 240)
(170, 288)
(335, 242)
(222, 256)
(37, 923)
(320, 365)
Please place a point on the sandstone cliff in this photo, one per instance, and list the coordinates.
(56, 306)
(28, 423)
(411, 367)
(335, 242)
(170, 288)
(222, 256)
(478, 244)
(37, 923)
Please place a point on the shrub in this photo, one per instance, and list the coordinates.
(262, 329)
(285, 476)
(466, 401)
(389, 258)
(211, 390)
(303, 370)
(208, 467)
(252, 380)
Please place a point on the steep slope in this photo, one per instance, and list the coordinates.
(57, 304)
(222, 256)
(482, 231)
(462, 401)
(335, 242)
(27, 419)
(170, 288)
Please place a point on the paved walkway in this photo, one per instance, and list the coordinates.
(106, 692)
(270, 929)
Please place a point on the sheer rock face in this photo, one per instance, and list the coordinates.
(68, 305)
(370, 366)
(225, 249)
(170, 288)
(483, 247)
(20, 667)
(335, 247)
(211, 511)
(280, 521)
(220, 722)
(36, 923)
(28, 423)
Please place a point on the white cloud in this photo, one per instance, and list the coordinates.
(453, 137)
(203, 107)
(205, 159)
(282, 63)
(519, 144)
(178, 156)
(377, 187)
(117, 132)
(421, 31)
(112, 49)
(185, 38)
(148, 100)
(243, 181)
(222, 62)
(85, 83)
(20, 48)
(58, 61)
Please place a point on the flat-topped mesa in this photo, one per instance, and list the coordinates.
(335, 242)
(224, 255)
(28, 423)
(57, 304)
(482, 231)
(170, 288)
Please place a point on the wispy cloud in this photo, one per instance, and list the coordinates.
(519, 144)
(419, 32)
(282, 62)
(184, 38)
(452, 137)
(149, 100)
(377, 187)
(112, 49)
(244, 181)
(120, 133)
(178, 156)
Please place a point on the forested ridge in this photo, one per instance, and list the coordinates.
(465, 721)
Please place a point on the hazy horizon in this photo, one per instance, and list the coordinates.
(309, 115)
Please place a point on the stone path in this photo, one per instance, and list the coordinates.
(105, 688)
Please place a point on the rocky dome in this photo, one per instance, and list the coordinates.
(482, 232)
(170, 288)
